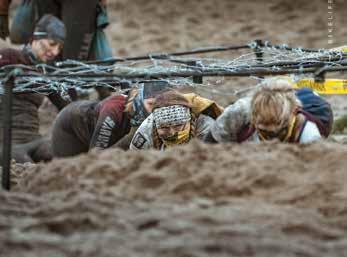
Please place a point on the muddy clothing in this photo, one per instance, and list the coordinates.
(89, 124)
(35, 151)
(25, 120)
(206, 110)
(234, 125)
(143, 138)
(234, 120)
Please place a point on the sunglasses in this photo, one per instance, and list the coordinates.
(269, 134)
(283, 134)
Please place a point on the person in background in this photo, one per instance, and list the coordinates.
(45, 45)
(85, 21)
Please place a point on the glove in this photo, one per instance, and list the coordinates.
(4, 32)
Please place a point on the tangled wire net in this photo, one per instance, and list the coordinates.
(261, 59)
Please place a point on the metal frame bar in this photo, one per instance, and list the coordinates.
(7, 133)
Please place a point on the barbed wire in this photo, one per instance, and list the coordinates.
(120, 74)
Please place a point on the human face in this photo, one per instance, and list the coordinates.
(169, 131)
(148, 104)
(46, 49)
(267, 134)
(282, 133)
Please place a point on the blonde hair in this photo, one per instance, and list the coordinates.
(129, 105)
(273, 103)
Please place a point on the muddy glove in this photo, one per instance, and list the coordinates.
(4, 32)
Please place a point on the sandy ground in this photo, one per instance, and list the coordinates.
(198, 200)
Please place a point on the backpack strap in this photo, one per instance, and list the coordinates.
(322, 129)
(298, 130)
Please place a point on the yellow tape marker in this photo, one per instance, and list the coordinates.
(328, 87)
(340, 49)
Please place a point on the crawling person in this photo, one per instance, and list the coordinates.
(84, 125)
(175, 120)
(46, 44)
(275, 111)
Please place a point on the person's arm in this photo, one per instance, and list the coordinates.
(234, 118)
(124, 142)
(203, 126)
(108, 129)
(105, 128)
(143, 135)
(210, 139)
(58, 100)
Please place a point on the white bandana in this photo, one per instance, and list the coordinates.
(171, 115)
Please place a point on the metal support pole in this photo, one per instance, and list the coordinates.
(196, 79)
(259, 53)
(319, 74)
(7, 132)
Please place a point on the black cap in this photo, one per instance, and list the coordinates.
(50, 27)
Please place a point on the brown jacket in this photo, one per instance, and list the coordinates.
(25, 120)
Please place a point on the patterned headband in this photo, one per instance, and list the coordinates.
(171, 115)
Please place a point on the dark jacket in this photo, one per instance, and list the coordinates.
(112, 123)
(25, 119)
(84, 125)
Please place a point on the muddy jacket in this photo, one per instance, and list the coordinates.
(234, 125)
(83, 125)
(143, 137)
(112, 123)
(25, 120)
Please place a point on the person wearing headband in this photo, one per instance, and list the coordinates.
(45, 45)
(275, 111)
(173, 122)
(85, 125)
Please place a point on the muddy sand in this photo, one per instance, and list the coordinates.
(196, 200)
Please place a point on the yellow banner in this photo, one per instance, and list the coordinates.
(328, 87)
(340, 49)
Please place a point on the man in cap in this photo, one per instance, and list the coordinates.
(45, 45)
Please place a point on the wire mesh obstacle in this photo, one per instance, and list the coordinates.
(302, 66)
